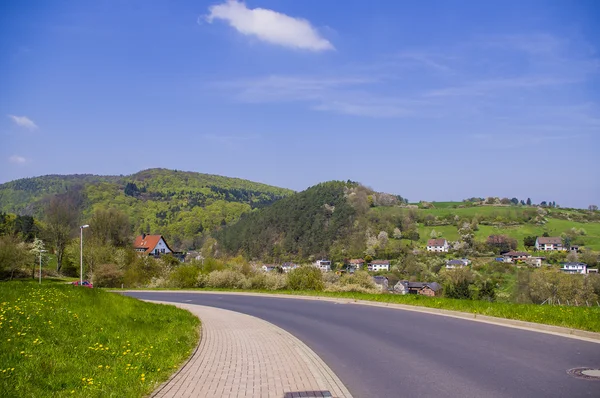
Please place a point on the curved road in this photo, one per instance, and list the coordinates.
(382, 352)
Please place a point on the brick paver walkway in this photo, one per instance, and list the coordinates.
(243, 356)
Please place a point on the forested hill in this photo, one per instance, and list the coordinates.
(178, 204)
(297, 227)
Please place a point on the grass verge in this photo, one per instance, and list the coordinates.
(583, 318)
(62, 340)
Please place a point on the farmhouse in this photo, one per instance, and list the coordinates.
(452, 264)
(355, 264)
(422, 288)
(437, 245)
(513, 256)
(379, 265)
(548, 243)
(153, 245)
(381, 281)
(323, 265)
(574, 268)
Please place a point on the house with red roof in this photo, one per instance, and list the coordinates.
(153, 245)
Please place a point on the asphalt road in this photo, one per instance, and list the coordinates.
(381, 352)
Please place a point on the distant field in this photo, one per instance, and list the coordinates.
(554, 227)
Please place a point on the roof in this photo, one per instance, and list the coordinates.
(148, 242)
(357, 261)
(456, 262)
(517, 254)
(549, 240)
(574, 264)
(380, 262)
(380, 279)
(420, 285)
(436, 242)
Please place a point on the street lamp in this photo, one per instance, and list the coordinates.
(81, 253)
(41, 251)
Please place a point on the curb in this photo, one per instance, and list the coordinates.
(578, 334)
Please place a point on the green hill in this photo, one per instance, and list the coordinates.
(297, 227)
(178, 204)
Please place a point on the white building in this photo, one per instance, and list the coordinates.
(574, 268)
(548, 243)
(379, 265)
(323, 265)
(438, 245)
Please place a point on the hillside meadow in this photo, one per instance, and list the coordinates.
(61, 340)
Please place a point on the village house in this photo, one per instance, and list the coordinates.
(323, 265)
(379, 265)
(382, 282)
(423, 288)
(355, 264)
(452, 264)
(543, 243)
(287, 267)
(153, 245)
(574, 268)
(535, 261)
(438, 245)
(268, 267)
(514, 256)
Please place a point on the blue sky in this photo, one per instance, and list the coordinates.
(432, 100)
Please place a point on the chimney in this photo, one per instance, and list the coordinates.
(143, 236)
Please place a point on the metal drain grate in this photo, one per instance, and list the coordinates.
(585, 373)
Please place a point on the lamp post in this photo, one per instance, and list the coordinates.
(41, 251)
(81, 253)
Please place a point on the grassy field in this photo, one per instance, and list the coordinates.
(554, 227)
(59, 340)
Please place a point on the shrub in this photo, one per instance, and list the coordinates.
(275, 281)
(107, 275)
(226, 279)
(351, 287)
(305, 278)
(359, 278)
(184, 276)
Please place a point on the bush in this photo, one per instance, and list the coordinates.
(184, 276)
(107, 275)
(275, 281)
(227, 279)
(359, 278)
(351, 287)
(305, 278)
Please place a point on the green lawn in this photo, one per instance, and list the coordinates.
(60, 340)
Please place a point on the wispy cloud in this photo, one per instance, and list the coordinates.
(23, 121)
(17, 159)
(270, 26)
(482, 87)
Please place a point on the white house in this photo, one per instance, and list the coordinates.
(323, 265)
(437, 245)
(543, 243)
(574, 268)
(535, 261)
(151, 245)
(287, 267)
(452, 264)
(379, 265)
(513, 256)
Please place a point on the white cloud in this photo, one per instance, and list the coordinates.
(270, 26)
(17, 159)
(23, 121)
